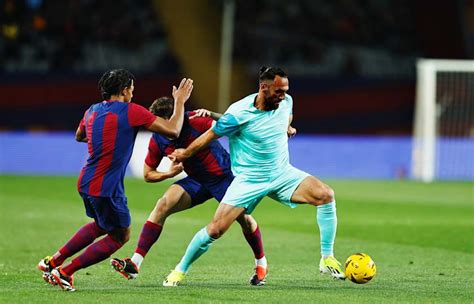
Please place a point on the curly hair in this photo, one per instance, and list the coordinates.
(114, 81)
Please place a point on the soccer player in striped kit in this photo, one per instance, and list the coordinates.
(109, 128)
(209, 176)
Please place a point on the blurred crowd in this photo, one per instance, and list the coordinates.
(350, 37)
(81, 35)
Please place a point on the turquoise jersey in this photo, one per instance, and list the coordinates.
(258, 139)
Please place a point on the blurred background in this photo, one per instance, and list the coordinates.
(351, 65)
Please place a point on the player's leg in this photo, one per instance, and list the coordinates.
(224, 217)
(252, 234)
(241, 196)
(113, 215)
(175, 199)
(313, 191)
(98, 251)
(254, 239)
(249, 226)
(80, 240)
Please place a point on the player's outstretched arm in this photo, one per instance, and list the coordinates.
(172, 127)
(151, 175)
(206, 113)
(180, 155)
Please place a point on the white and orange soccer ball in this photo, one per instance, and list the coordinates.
(360, 268)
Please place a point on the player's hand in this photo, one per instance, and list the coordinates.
(182, 93)
(200, 113)
(291, 131)
(175, 168)
(179, 155)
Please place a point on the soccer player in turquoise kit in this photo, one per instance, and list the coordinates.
(257, 127)
(209, 176)
(109, 128)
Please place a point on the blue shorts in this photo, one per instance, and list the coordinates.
(247, 192)
(108, 212)
(201, 192)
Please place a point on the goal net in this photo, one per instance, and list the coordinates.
(443, 139)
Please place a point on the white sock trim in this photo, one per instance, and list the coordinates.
(137, 259)
(261, 262)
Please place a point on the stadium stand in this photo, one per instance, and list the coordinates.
(352, 63)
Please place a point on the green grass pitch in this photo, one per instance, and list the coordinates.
(421, 237)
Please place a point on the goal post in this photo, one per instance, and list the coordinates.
(443, 135)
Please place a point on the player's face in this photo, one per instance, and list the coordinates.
(275, 91)
(128, 93)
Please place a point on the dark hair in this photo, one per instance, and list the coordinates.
(162, 107)
(269, 73)
(114, 81)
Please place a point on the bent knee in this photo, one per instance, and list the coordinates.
(324, 195)
(163, 208)
(121, 235)
(215, 230)
(247, 223)
(163, 205)
(329, 195)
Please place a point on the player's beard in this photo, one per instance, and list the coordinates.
(272, 103)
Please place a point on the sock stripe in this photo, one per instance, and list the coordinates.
(149, 235)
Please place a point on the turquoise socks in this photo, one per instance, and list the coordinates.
(198, 246)
(327, 222)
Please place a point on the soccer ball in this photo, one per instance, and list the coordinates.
(360, 268)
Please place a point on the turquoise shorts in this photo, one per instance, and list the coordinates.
(247, 192)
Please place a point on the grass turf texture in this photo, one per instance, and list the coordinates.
(420, 236)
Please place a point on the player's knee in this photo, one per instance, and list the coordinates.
(247, 223)
(121, 235)
(160, 212)
(328, 195)
(215, 230)
(323, 195)
(163, 206)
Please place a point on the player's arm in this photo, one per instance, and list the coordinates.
(215, 116)
(206, 113)
(172, 127)
(226, 126)
(291, 131)
(153, 160)
(81, 132)
(151, 175)
(201, 142)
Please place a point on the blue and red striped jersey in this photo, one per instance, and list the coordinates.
(209, 163)
(111, 128)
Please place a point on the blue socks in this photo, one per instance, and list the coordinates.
(327, 222)
(198, 246)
